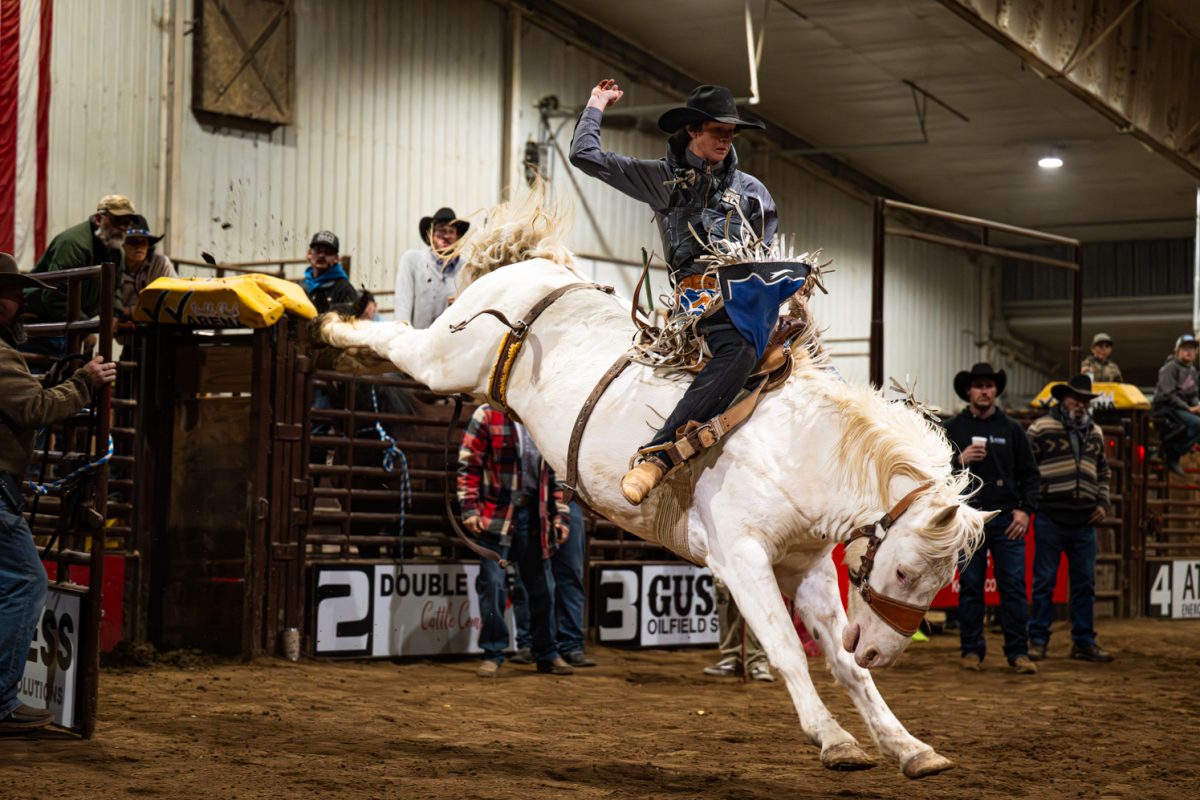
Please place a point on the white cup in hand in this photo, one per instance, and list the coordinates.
(982, 441)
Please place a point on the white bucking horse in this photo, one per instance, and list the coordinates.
(819, 462)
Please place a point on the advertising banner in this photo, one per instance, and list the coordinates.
(389, 610)
(1173, 589)
(52, 666)
(655, 605)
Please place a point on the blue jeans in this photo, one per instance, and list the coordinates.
(1008, 561)
(520, 604)
(526, 552)
(1052, 540)
(1182, 445)
(53, 346)
(22, 598)
(567, 568)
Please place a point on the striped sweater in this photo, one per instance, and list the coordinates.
(1071, 488)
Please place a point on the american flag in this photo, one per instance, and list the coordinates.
(25, 32)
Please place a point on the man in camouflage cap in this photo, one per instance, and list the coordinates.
(1100, 364)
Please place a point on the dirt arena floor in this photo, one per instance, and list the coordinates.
(644, 724)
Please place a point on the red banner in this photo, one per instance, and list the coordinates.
(112, 596)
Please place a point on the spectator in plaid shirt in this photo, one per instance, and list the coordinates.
(511, 500)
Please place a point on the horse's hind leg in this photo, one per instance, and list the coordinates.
(746, 569)
(820, 606)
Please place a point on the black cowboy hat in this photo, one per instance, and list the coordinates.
(443, 215)
(139, 228)
(11, 275)
(1078, 385)
(706, 104)
(962, 381)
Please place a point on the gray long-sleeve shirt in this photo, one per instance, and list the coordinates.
(713, 192)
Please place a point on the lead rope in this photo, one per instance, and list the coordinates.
(390, 456)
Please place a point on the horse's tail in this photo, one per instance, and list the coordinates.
(532, 225)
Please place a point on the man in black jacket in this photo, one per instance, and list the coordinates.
(325, 282)
(995, 450)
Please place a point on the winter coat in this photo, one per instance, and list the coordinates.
(423, 287)
(1074, 482)
(1102, 371)
(682, 190)
(77, 246)
(26, 406)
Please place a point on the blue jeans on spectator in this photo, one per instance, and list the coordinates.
(526, 552)
(1052, 540)
(567, 567)
(520, 604)
(53, 346)
(22, 598)
(1181, 445)
(1008, 560)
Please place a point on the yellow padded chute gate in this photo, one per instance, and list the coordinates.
(1119, 396)
(244, 301)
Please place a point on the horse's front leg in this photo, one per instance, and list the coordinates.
(434, 356)
(820, 606)
(745, 568)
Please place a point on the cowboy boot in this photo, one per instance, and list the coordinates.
(638, 482)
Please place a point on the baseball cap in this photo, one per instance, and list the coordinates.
(326, 238)
(1185, 340)
(1100, 338)
(115, 205)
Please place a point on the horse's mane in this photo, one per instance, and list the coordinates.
(882, 440)
(527, 227)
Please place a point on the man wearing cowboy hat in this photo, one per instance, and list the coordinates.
(426, 280)
(696, 190)
(143, 262)
(97, 239)
(994, 449)
(24, 407)
(1069, 448)
(1100, 364)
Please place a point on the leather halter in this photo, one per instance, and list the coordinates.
(902, 617)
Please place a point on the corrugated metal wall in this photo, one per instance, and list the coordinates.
(104, 112)
(399, 110)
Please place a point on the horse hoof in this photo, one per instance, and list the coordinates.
(927, 763)
(846, 756)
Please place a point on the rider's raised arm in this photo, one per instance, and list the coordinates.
(770, 218)
(641, 179)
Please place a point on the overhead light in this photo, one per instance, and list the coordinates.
(1050, 162)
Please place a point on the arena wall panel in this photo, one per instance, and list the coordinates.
(106, 74)
(399, 109)
(397, 113)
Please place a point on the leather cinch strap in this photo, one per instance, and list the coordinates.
(904, 618)
(510, 346)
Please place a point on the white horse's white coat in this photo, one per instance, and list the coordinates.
(764, 512)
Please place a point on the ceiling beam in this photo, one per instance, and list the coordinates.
(649, 70)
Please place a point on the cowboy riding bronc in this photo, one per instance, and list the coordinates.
(702, 202)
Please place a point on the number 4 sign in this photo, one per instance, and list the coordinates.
(1174, 589)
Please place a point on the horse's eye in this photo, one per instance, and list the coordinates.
(901, 576)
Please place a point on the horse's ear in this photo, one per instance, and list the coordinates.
(944, 517)
(988, 516)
